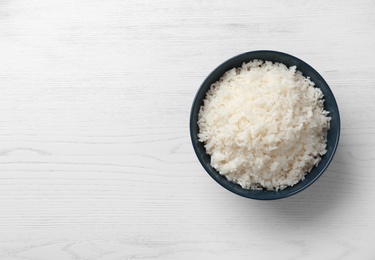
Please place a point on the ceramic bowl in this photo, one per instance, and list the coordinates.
(330, 105)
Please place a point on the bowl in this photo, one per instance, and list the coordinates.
(330, 105)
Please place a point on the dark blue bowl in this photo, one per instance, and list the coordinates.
(330, 105)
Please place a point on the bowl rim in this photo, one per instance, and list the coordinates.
(272, 195)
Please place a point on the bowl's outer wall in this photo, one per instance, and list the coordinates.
(330, 105)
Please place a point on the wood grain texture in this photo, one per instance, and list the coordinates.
(95, 154)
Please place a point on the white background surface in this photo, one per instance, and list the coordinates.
(95, 153)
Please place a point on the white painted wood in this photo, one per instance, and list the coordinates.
(95, 155)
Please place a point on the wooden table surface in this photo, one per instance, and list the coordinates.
(95, 155)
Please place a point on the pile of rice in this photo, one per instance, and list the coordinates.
(264, 125)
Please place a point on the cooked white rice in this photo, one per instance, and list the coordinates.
(264, 125)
